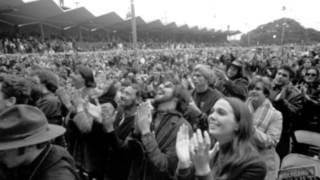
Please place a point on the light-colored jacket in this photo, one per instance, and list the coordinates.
(268, 126)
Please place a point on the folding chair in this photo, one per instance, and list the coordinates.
(303, 163)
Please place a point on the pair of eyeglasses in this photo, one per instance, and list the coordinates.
(311, 74)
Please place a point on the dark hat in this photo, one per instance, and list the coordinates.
(87, 75)
(24, 125)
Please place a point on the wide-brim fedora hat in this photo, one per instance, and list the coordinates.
(24, 125)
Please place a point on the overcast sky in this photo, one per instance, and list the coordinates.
(241, 15)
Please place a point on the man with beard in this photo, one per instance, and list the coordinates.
(152, 146)
(287, 99)
(123, 126)
(204, 97)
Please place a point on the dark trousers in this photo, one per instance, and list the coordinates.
(283, 147)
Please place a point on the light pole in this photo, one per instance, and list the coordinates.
(283, 26)
(133, 26)
(248, 34)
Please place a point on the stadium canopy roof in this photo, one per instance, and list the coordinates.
(6, 5)
(102, 21)
(155, 25)
(70, 18)
(126, 25)
(17, 13)
(29, 13)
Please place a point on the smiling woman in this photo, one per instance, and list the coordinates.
(233, 156)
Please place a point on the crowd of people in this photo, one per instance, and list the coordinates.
(191, 113)
(34, 43)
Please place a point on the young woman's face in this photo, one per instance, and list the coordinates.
(222, 123)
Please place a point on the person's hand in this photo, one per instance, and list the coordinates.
(94, 111)
(200, 152)
(182, 146)
(108, 114)
(282, 94)
(303, 90)
(78, 101)
(195, 108)
(144, 118)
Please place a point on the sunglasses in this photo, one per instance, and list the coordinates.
(311, 74)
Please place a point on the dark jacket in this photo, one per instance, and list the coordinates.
(204, 102)
(290, 106)
(87, 149)
(310, 111)
(236, 88)
(54, 163)
(252, 168)
(51, 106)
(153, 155)
(118, 163)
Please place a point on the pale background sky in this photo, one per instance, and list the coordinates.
(243, 15)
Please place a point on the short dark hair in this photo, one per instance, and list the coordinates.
(13, 86)
(87, 74)
(292, 73)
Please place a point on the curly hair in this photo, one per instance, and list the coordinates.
(13, 86)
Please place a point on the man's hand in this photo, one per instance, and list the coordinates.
(144, 118)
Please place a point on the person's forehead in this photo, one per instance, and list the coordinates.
(283, 71)
(106, 105)
(223, 104)
(129, 89)
(312, 71)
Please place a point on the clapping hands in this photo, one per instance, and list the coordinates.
(194, 150)
(200, 152)
(144, 118)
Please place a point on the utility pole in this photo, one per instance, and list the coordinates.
(61, 3)
(284, 24)
(133, 26)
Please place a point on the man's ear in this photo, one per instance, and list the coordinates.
(11, 101)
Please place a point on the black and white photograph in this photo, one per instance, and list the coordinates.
(159, 90)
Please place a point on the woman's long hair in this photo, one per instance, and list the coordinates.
(237, 152)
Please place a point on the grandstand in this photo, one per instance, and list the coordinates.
(46, 18)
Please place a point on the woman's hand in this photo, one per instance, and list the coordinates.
(182, 147)
(200, 152)
(108, 116)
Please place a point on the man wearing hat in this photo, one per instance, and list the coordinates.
(25, 149)
(237, 85)
(204, 96)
